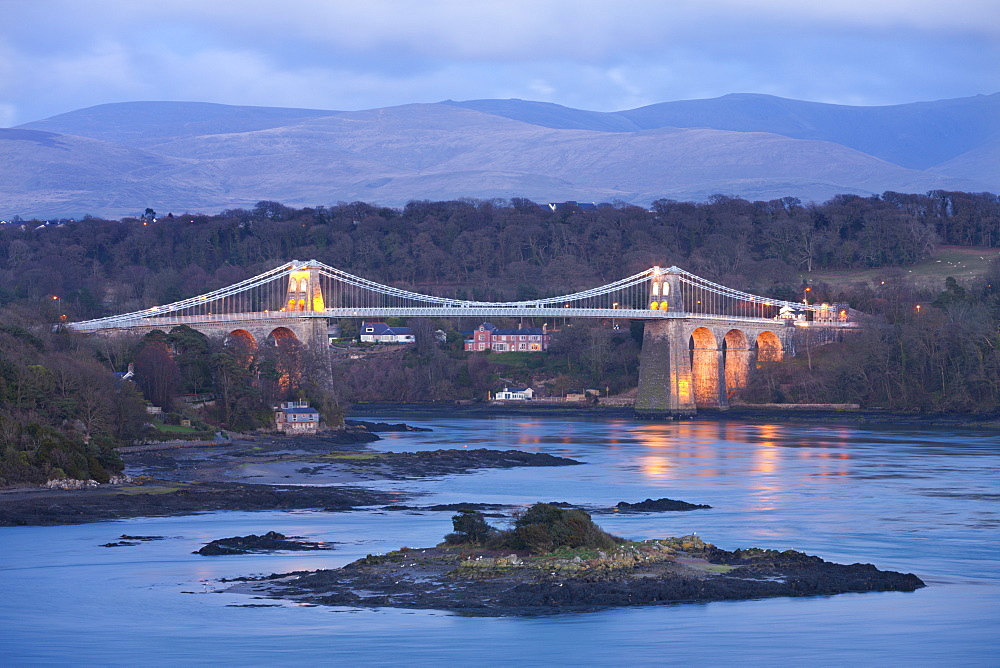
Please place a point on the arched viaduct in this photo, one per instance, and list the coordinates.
(254, 331)
(693, 363)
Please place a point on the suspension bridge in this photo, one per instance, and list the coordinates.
(700, 337)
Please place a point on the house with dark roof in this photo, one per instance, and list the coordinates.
(296, 417)
(122, 376)
(379, 332)
(525, 339)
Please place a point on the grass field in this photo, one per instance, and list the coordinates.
(961, 262)
(177, 429)
(178, 432)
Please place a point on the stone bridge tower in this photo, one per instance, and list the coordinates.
(304, 291)
(698, 362)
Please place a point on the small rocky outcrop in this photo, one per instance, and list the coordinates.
(382, 427)
(272, 541)
(657, 505)
(127, 540)
(401, 465)
(71, 483)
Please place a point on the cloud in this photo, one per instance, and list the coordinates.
(59, 55)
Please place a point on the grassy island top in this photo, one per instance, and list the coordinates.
(551, 539)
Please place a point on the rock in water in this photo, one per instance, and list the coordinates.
(272, 541)
(657, 505)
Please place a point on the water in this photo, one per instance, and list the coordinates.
(922, 501)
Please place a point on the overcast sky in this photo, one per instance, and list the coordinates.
(605, 55)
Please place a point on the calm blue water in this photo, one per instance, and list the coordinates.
(921, 501)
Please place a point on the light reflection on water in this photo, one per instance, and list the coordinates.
(922, 501)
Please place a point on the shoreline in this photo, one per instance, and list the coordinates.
(743, 412)
(266, 473)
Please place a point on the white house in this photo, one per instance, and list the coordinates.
(379, 332)
(515, 393)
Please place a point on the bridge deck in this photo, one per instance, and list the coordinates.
(441, 312)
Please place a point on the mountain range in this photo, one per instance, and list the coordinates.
(117, 159)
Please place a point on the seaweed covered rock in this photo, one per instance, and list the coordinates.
(272, 541)
(657, 505)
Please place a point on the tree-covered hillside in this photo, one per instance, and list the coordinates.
(513, 249)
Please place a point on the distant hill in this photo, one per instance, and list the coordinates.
(55, 174)
(141, 124)
(918, 135)
(117, 159)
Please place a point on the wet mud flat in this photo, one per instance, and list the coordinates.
(157, 498)
(651, 572)
(183, 481)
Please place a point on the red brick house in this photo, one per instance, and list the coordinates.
(488, 337)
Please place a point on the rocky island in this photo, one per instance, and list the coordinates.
(556, 560)
(272, 541)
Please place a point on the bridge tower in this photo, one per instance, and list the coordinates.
(304, 290)
(665, 290)
(665, 379)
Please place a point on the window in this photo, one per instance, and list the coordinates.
(369, 329)
(482, 346)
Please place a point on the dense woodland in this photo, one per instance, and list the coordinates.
(62, 411)
(482, 249)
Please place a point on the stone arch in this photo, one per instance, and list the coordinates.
(735, 360)
(704, 352)
(244, 345)
(769, 348)
(241, 337)
(281, 335)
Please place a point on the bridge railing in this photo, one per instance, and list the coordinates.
(699, 295)
(554, 314)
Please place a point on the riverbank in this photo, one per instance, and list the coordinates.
(744, 412)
